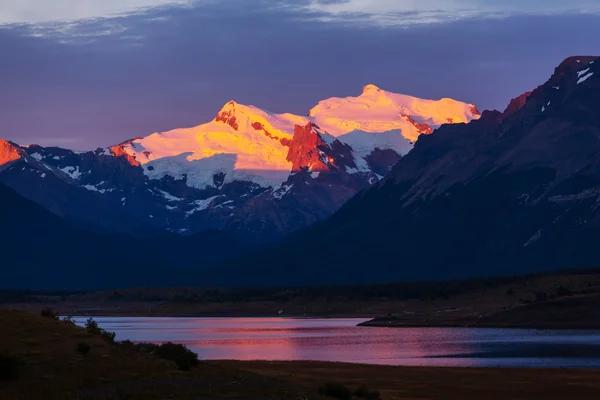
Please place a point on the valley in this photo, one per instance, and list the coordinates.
(566, 299)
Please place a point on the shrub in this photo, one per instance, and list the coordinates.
(541, 296)
(49, 313)
(9, 367)
(367, 394)
(83, 348)
(335, 390)
(68, 320)
(108, 336)
(562, 291)
(92, 326)
(178, 353)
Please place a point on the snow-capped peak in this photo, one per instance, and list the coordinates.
(377, 110)
(246, 143)
(370, 88)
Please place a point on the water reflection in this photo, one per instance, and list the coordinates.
(342, 340)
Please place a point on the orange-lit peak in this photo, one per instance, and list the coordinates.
(377, 110)
(9, 153)
(371, 88)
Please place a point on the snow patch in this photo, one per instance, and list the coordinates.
(315, 175)
(278, 194)
(37, 156)
(91, 188)
(536, 236)
(56, 158)
(169, 196)
(94, 188)
(582, 72)
(556, 87)
(585, 78)
(73, 172)
(201, 205)
(364, 143)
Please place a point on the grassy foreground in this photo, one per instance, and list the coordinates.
(53, 366)
(397, 383)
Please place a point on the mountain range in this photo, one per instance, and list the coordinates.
(427, 190)
(256, 174)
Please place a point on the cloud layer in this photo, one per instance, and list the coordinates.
(92, 80)
(416, 12)
(56, 11)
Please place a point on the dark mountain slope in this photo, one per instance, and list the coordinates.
(512, 192)
(40, 250)
(54, 188)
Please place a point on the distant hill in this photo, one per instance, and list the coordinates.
(42, 251)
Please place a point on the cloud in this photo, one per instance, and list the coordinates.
(79, 21)
(55, 11)
(418, 12)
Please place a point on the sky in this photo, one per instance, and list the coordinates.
(84, 74)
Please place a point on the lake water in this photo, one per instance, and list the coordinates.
(342, 340)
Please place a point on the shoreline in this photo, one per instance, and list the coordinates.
(368, 321)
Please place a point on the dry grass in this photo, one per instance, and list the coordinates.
(53, 369)
(397, 383)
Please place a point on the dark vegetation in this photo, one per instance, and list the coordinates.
(49, 313)
(83, 348)
(343, 392)
(335, 390)
(9, 367)
(184, 358)
(465, 302)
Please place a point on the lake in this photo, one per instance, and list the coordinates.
(340, 339)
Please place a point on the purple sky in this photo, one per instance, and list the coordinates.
(102, 71)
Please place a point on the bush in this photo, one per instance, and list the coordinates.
(9, 367)
(83, 348)
(108, 336)
(49, 313)
(367, 394)
(335, 390)
(68, 320)
(92, 326)
(563, 291)
(178, 353)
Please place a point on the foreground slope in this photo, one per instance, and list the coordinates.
(511, 192)
(52, 369)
